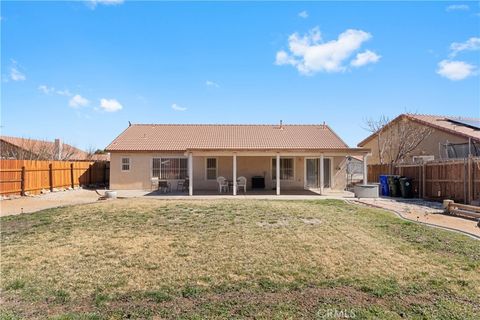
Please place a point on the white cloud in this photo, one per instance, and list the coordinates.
(303, 14)
(16, 75)
(364, 58)
(176, 107)
(78, 101)
(310, 55)
(93, 3)
(471, 44)
(283, 57)
(49, 90)
(455, 70)
(63, 93)
(110, 105)
(45, 89)
(458, 7)
(210, 83)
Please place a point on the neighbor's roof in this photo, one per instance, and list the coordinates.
(48, 147)
(182, 137)
(444, 123)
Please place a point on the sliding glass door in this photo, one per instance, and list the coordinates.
(312, 179)
(312, 173)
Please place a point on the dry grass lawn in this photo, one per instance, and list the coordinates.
(233, 259)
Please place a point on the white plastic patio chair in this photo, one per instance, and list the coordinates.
(154, 181)
(222, 184)
(242, 183)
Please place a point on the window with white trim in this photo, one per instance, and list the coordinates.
(211, 168)
(286, 168)
(125, 164)
(170, 168)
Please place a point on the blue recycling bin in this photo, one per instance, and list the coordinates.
(384, 185)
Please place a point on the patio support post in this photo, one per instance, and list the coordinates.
(365, 168)
(278, 173)
(234, 174)
(190, 174)
(321, 173)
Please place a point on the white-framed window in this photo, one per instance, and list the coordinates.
(287, 169)
(211, 168)
(170, 168)
(125, 164)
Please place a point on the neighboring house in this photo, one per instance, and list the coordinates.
(204, 152)
(31, 149)
(445, 138)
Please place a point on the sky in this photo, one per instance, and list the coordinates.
(80, 71)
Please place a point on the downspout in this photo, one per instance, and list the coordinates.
(469, 147)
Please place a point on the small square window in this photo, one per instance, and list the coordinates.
(125, 164)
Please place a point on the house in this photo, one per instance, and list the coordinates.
(411, 138)
(31, 149)
(302, 156)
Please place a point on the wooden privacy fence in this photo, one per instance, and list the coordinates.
(32, 176)
(457, 180)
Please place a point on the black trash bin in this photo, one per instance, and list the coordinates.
(394, 186)
(406, 187)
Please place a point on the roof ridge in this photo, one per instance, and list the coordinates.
(456, 117)
(227, 124)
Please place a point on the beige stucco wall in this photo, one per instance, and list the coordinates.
(430, 146)
(138, 178)
(248, 166)
(339, 173)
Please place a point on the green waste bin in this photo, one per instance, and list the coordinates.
(406, 187)
(394, 186)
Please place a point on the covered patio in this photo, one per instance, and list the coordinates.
(302, 173)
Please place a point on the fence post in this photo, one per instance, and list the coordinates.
(424, 183)
(470, 180)
(419, 175)
(71, 176)
(90, 169)
(22, 182)
(50, 176)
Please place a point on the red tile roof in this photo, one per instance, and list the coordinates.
(443, 123)
(47, 149)
(182, 137)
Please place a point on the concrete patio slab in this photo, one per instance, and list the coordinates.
(264, 194)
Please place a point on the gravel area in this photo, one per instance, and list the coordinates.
(18, 205)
